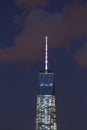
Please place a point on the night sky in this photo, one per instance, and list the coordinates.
(23, 27)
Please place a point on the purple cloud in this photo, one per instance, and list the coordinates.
(81, 56)
(59, 27)
(30, 3)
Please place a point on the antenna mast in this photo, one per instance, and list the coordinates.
(46, 54)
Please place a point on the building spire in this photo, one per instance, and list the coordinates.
(46, 54)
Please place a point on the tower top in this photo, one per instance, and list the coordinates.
(46, 53)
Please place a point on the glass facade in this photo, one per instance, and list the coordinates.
(46, 110)
(46, 86)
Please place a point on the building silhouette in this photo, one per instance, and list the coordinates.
(46, 110)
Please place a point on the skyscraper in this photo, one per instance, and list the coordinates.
(46, 110)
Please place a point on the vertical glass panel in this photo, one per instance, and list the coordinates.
(46, 83)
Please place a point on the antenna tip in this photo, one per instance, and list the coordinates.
(46, 38)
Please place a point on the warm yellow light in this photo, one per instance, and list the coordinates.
(46, 113)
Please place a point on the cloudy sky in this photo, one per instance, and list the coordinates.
(23, 27)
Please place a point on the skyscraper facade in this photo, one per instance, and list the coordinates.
(46, 109)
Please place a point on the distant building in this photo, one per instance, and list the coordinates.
(46, 110)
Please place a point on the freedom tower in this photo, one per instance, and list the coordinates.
(46, 110)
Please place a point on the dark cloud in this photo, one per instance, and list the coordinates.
(71, 23)
(81, 56)
(30, 3)
(16, 19)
